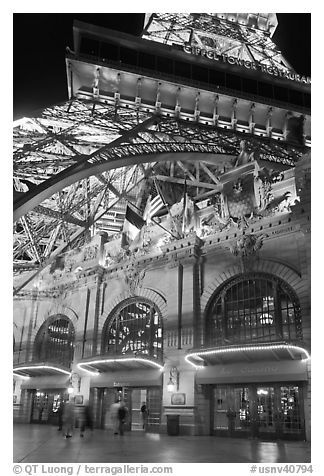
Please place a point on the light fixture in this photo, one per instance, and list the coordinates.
(82, 365)
(266, 319)
(32, 367)
(173, 383)
(75, 380)
(26, 377)
(261, 391)
(70, 389)
(236, 349)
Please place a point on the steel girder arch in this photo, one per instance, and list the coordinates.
(73, 176)
(85, 163)
(59, 137)
(67, 178)
(119, 154)
(34, 270)
(70, 176)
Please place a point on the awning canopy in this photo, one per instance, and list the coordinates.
(39, 369)
(108, 363)
(246, 353)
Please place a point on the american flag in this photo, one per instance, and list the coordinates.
(154, 202)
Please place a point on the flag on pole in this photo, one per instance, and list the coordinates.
(185, 208)
(154, 203)
(133, 224)
(189, 216)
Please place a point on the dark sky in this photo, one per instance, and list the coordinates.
(39, 41)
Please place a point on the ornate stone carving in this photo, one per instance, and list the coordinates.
(247, 245)
(215, 223)
(246, 248)
(76, 381)
(134, 278)
(69, 263)
(244, 156)
(90, 252)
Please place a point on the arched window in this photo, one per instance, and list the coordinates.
(253, 308)
(134, 327)
(54, 341)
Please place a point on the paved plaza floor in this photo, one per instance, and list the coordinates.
(44, 444)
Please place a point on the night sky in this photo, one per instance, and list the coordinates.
(40, 39)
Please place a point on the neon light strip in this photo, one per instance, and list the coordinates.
(132, 359)
(200, 354)
(26, 377)
(31, 367)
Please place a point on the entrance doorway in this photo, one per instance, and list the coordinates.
(139, 396)
(103, 398)
(45, 405)
(269, 411)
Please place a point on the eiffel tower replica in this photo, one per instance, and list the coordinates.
(185, 104)
(196, 135)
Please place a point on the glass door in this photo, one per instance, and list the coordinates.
(39, 407)
(231, 410)
(154, 406)
(291, 412)
(152, 396)
(106, 397)
(265, 411)
(221, 400)
(269, 411)
(139, 396)
(45, 405)
(102, 405)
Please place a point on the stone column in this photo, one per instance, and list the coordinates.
(33, 314)
(97, 312)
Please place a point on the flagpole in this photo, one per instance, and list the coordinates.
(184, 204)
(168, 231)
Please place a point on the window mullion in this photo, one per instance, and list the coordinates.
(224, 317)
(277, 307)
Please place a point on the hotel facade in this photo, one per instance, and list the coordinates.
(162, 233)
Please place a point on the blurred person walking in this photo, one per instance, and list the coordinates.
(86, 419)
(122, 415)
(68, 418)
(60, 412)
(144, 413)
(114, 417)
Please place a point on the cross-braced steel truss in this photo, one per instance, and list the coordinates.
(76, 166)
(227, 35)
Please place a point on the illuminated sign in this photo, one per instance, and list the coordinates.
(253, 65)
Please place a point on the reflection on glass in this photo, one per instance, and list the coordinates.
(258, 308)
(273, 410)
(265, 408)
(232, 408)
(54, 341)
(136, 328)
(289, 399)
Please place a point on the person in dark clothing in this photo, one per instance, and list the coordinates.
(144, 413)
(114, 417)
(68, 418)
(60, 411)
(122, 414)
(86, 420)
